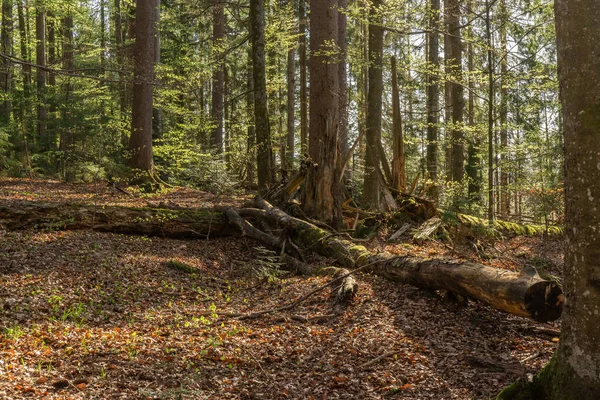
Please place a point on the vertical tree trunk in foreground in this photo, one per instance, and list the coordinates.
(504, 195)
(264, 154)
(343, 79)
(140, 142)
(574, 371)
(323, 192)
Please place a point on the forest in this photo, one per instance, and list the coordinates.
(299, 199)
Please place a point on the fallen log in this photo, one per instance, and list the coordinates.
(174, 223)
(526, 295)
(519, 294)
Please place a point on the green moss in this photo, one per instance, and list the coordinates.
(556, 381)
(181, 267)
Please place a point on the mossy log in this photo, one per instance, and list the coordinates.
(180, 223)
(509, 291)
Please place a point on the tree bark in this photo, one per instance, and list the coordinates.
(323, 191)
(433, 93)
(140, 142)
(398, 162)
(456, 89)
(372, 183)
(303, 81)
(5, 65)
(264, 153)
(574, 372)
(503, 111)
(40, 59)
(187, 223)
(218, 77)
(516, 293)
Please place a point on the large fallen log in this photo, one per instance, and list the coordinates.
(174, 223)
(513, 292)
(521, 294)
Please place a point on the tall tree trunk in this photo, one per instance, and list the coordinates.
(264, 153)
(157, 114)
(473, 158)
(372, 182)
(5, 65)
(140, 142)
(574, 371)
(504, 195)
(433, 93)
(323, 190)
(398, 162)
(490, 111)
(40, 59)
(343, 78)
(218, 76)
(66, 134)
(457, 100)
(291, 83)
(120, 50)
(251, 145)
(303, 82)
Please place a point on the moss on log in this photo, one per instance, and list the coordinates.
(516, 293)
(181, 223)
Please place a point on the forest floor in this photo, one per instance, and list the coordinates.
(89, 315)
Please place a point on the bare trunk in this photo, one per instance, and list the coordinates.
(303, 82)
(433, 93)
(140, 142)
(40, 59)
(399, 162)
(218, 77)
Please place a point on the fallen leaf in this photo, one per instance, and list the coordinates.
(41, 380)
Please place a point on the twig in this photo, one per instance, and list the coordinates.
(377, 359)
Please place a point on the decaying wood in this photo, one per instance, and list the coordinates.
(512, 292)
(184, 223)
(427, 230)
(516, 293)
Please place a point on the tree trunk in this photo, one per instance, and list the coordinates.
(504, 195)
(303, 86)
(66, 134)
(264, 153)
(5, 65)
(490, 112)
(157, 114)
(291, 84)
(343, 76)
(372, 183)
(218, 76)
(574, 372)
(40, 59)
(250, 141)
(456, 89)
(473, 168)
(323, 190)
(399, 162)
(140, 143)
(433, 93)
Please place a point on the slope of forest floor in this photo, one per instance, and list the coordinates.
(87, 315)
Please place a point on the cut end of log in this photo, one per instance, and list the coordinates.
(544, 301)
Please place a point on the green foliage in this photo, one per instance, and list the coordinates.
(265, 266)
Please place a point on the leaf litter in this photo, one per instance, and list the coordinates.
(89, 315)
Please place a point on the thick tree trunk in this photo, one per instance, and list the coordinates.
(323, 191)
(140, 142)
(303, 84)
(264, 153)
(5, 65)
(372, 183)
(456, 88)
